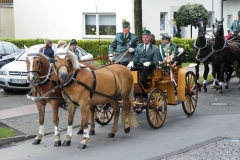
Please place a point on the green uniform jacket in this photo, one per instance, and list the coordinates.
(151, 55)
(120, 45)
(172, 48)
(235, 27)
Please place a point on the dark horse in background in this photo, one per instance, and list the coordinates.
(225, 54)
(202, 52)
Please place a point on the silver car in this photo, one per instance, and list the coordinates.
(13, 76)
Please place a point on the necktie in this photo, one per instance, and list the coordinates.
(145, 49)
(125, 36)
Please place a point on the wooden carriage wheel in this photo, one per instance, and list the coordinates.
(138, 108)
(191, 94)
(104, 114)
(156, 108)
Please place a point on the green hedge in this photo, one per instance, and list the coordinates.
(100, 47)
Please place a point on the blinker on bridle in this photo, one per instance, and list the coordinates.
(62, 65)
(40, 61)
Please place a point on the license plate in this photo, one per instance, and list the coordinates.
(18, 81)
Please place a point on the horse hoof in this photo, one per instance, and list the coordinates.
(36, 141)
(57, 143)
(220, 91)
(66, 143)
(111, 135)
(80, 131)
(92, 132)
(127, 130)
(82, 146)
(226, 87)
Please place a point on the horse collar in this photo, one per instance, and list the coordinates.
(219, 50)
(195, 46)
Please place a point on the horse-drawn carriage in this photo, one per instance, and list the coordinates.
(178, 87)
(87, 88)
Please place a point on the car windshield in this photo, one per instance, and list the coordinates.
(22, 57)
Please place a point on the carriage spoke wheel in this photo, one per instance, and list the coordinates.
(104, 114)
(156, 108)
(138, 108)
(191, 94)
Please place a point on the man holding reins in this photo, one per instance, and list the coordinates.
(123, 41)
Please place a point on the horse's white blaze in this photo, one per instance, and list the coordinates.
(30, 69)
(41, 130)
(86, 133)
(56, 130)
(69, 131)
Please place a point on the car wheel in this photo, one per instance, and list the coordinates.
(7, 90)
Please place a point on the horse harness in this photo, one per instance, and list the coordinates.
(199, 50)
(92, 89)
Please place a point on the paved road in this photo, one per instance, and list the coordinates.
(212, 132)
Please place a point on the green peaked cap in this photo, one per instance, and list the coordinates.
(239, 12)
(146, 32)
(125, 23)
(166, 36)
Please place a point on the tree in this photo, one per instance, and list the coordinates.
(189, 14)
(138, 18)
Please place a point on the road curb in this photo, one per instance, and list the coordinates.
(4, 141)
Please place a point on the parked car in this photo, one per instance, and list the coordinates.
(8, 52)
(13, 76)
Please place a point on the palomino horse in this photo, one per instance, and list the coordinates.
(44, 84)
(202, 50)
(222, 57)
(89, 88)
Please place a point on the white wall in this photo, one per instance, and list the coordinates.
(61, 19)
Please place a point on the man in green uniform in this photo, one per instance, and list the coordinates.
(145, 58)
(167, 48)
(123, 41)
(235, 28)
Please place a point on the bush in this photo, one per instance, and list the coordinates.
(100, 47)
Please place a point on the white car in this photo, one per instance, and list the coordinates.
(13, 76)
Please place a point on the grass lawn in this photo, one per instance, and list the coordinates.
(6, 132)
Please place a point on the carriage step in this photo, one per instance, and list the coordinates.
(177, 102)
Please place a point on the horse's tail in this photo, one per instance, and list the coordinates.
(131, 118)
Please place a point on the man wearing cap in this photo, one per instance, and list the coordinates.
(123, 41)
(235, 28)
(166, 45)
(145, 58)
(73, 48)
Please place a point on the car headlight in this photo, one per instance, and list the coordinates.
(3, 71)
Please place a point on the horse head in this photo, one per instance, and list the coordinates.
(65, 62)
(202, 23)
(218, 30)
(34, 63)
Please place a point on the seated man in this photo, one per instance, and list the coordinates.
(145, 58)
(167, 48)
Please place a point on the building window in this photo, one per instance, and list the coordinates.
(229, 21)
(163, 21)
(210, 20)
(100, 24)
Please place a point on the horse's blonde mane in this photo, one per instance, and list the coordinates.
(73, 58)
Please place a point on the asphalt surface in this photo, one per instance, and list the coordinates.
(223, 147)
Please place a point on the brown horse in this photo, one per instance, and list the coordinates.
(44, 79)
(89, 88)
